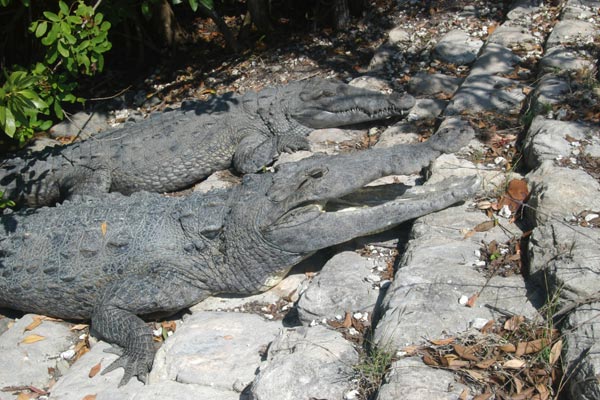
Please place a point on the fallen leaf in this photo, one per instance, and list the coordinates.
(516, 194)
(78, 327)
(491, 28)
(464, 395)
(555, 352)
(427, 359)
(526, 90)
(488, 327)
(37, 320)
(442, 342)
(228, 337)
(513, 323)
(483, 396)
(518, 384)
(508, 348)
(89, 397)
(514, 364)
(23, 396)
(32, 339)
(466, 352)
(524, 395)
(476, 375)
(94, 370)
(485, 364)
(472, 300)
(533, 346)
(485, 226)
(103, 228)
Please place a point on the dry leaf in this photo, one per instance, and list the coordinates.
(466, 352)
(89, 397)
(513, 323)
(103, 228)
(514, 364)
(526, 90)
(508, 348)
(442, 342)
(516, 194)
(427, 359)
(476, 375)
(524, 395)
(555, 352)
(37, 320)
(485, 364)
(533, 346)
(464, 395)
(228, 337)
(32, 339)
(518, 384)
(488, 327)
(485, 226)
(94, 370)
(472, 300)
(23, 396)
(78, 327)
(483, 396)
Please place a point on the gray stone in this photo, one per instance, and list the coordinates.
(218, 180)
(306, 363)
(457, 47)
(82, 125)
(215, 349)
(382, 56)
(487, 93)
(546, 139)
(427, 109)
(328, 140)
(451, 165)
(550, 90)
(77, 383)
(520, 9)
(511, 35)
(399, 35)
(42, 143)
(557, 192)
(370, 83)
(571, 32)
(436, 269)
(495, 59)
(341, 286)
(582, 355)
(561, 58)
(403, 132)
(410, 379)
(27, 364)
(424, 84)
(5, 323)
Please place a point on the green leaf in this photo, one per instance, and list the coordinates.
(62, 49)
(41, 29)
(45, 125)
(146, 12)
(98, 18)
(52, 56)
(63, 7)
(26, 3)
(74, 20)
(9, 124)
(34, 98)
(51, 16)
(51, 36)
(4, 3)
(105, 26)
(206, 3)
(176, 2)
(58, 111)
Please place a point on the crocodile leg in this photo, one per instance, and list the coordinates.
(161, 288)
(254, 152)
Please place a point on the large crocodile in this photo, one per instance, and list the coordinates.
(174, 150)
(114, 258)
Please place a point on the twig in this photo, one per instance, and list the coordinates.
(111, 97)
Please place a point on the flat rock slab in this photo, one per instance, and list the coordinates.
(481, 93)
(24, 363)
(410, 379)
(306, 363)
(346, 283)
(566, 59)
(571, 32)
(81, 125)
(557, 193)
(424, 84)
(215, 349)
(436, 269)
(512, 35)
(77, 383)
(457, 47)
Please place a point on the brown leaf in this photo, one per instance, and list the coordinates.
(514, 364)
(103, 227)
(37, 320)
(513, 323)
(488, 327)
(427, 359)
(518, 384)
(483, 396)
(516, 193)
(466, 352)
(89, 397)
(485, 364)
(491, 28)
(508, 348)
(78, 327)
(32, 339)
(526, 90)
(228, 337)
(478, 376)
(524, 395)
(472, 300)
(169, 325)
(94, 370)
(23, 396)
(533, 346)
(555, 352)
(485, 226)
(464, 395)
(442, 342)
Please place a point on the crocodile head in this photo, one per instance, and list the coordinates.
(322, 103)
(282, 217)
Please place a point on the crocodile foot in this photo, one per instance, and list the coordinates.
(134, 363)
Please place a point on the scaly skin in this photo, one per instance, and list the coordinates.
(114, 259)
(174, 150)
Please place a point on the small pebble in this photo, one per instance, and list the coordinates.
(590, 217)
(478, 323)
(463, 300)
(68, 354)
(505, 212)
(351, 395)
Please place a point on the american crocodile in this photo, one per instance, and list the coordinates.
(115, 258)
(176, 149)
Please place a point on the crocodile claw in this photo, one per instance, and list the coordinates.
(134, 365)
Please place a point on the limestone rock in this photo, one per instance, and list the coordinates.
(457, 47)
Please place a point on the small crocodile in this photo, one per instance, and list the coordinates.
(116, 258)
(173, 150)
